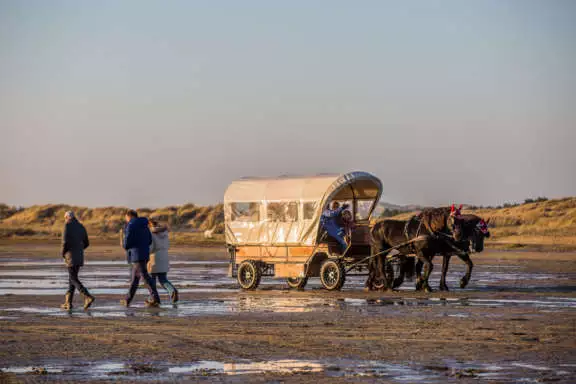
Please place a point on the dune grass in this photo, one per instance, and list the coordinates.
(550, 224)
(47, 221)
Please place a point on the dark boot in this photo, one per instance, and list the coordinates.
(88, 300)
(174, 296)
(67, 301)
(151, 303)
(125, 303)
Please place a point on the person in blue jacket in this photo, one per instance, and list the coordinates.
(136, 241)
(331, 223)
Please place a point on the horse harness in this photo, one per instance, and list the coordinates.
(448, 239)
(411, 220)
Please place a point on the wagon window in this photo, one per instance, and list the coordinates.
(363, 208)
(245, 212)
(283, 212)
(309, 210)
(292, 212)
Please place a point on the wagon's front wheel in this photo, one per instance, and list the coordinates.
(297, 282)
(249, 275)
(332, 275)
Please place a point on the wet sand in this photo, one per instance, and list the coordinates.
(516, 321)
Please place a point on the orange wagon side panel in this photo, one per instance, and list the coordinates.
(289, 270)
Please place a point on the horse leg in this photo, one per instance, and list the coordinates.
(381, 280)
(388, 277)
(419, 275)
(469, 265)
(428, 267)
(370, 279)
(402, 273)
(372, 267)
(445, 264)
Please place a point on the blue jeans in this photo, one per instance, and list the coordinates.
(338, 235)
(163, 280)
(139, 270)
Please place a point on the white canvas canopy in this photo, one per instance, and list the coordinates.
(287, 210)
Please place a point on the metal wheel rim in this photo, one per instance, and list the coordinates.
(246, 275)
(330, 275)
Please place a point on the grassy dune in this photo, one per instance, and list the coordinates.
(547, 224)
(46, 221)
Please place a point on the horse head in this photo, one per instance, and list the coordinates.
(478, 235)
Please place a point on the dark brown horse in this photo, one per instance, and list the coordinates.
(425, 235)
(474, 231)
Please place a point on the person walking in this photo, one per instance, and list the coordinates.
(159, 264)
(74, 242)
(137, 241)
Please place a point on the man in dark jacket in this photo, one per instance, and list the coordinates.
(74, 242)
(137, 240)
(331, 222)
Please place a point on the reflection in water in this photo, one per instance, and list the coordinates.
(44, 370)
(49, 277)
(396, 372)
(102, 369)
(278, 366)
(452, 307)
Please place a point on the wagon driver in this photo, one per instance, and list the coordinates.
(332, 225)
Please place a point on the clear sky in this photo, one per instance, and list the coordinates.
(150, 103)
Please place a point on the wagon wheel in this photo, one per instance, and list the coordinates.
(332, 275)
(297, 282)
(249, 275)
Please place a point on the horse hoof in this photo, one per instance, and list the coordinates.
(463, 282)
(428, 289)
(444, 288)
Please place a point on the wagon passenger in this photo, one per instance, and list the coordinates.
(332, 225)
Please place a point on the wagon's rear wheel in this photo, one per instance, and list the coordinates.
(332, 275)
(297, 282)
(249, 275)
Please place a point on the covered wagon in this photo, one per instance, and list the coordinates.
(273, 228)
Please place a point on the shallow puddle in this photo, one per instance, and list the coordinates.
(49, 277)
(451, 307)
(396, 372)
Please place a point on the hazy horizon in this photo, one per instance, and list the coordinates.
(155, 104)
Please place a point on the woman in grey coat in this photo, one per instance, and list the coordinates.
(159, 265)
